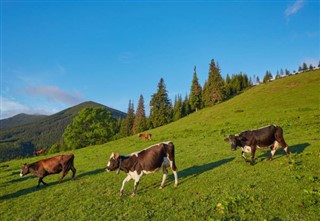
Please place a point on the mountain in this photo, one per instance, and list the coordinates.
(25, 134)
(19, 119)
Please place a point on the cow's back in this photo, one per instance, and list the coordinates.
(152, 158)
(57, 163)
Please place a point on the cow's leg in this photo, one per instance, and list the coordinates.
(244, 156)
(73, 171)
(64, 173)
(253, 151)
(135, 187)
(281, 141)
(164, 177)
(273, 150)
(136, 178)
(123, 183)
(41, 181)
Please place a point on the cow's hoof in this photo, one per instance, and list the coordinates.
(175, 185)
(133, 195)
(161, 187)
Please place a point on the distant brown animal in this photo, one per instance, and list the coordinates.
(145, 136)
(49, 166)
(39, 152)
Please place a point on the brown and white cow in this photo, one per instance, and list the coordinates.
(269, 136)
(145, 136)
(145, 161)
(49, 166)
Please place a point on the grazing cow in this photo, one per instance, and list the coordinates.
(145, 136)
(39, 152)
(49, 166)
(143, 162)
(269, 136)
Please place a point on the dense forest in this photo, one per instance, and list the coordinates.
(90, 123)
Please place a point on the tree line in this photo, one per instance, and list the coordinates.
(95, 126)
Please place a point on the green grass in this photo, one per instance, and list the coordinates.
(215, 182)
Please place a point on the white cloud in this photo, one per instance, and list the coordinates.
(9, 108)
(293, 9)
(53, 93)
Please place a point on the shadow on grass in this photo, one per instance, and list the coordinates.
(26, 191)
(294, 149)
(35, 189)
(90, 173)
(196, 170)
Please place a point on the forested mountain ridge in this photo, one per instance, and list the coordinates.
(41, 133)
(20, 119)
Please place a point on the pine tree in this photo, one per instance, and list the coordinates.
(161, 108)
(304, 67)
(213, 89)
(127, 123)
(310, 67)
(140, 120)
(228, 88)
(267, 77)
(195, 93)
(177, 108)
(186, 109)
(258, 80)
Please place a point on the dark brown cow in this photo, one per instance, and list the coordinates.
(146, 161)
(145, 136)
(269, 136)
(49, 166)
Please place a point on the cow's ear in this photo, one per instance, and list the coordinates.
(226, 139)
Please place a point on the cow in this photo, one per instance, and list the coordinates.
(145, 136)
(49, 166)
(269, 136)
(39, 152)
(145, 161)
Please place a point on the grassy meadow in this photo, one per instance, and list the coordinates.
(214, 182)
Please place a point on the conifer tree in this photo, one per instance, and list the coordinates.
(228, 88)
(267, 77)
(195, 93)
(177, 108)
(127, 123)
(310, 67)
(186, 109)
(140, 120)
(213, 89)
(304, 67)
(161, 108)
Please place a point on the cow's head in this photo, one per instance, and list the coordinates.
(235, 141)
(24, 170)
(114, 162)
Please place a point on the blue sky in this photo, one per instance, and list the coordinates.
(56, 54)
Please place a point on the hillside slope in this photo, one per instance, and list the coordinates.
(19, 119)
(215, 182)
(40, 133)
